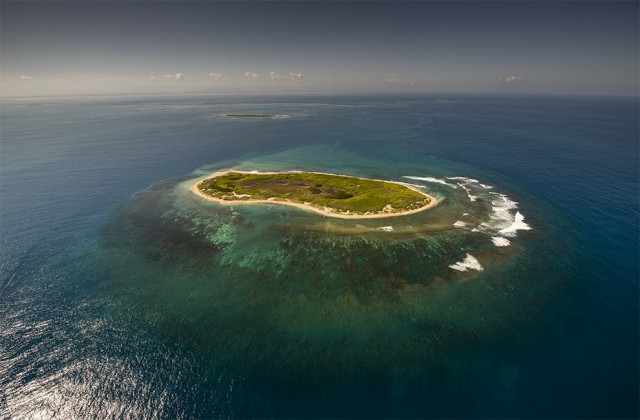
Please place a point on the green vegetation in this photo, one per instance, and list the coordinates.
(342, 194)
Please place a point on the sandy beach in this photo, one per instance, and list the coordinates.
(323, 211)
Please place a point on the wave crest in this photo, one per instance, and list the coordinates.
(469, 263)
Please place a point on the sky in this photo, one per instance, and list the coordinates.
(543, 47)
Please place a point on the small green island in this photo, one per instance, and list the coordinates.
(256, 116)
(328, 194)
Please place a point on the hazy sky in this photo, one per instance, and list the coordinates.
(57, 47)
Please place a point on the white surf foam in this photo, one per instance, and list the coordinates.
(385, 228)
(500, 241)
(469, 263)
(504, 220)
(518, 224)
(468, 190)
(463, 178)
(501, 216)
(430, 179)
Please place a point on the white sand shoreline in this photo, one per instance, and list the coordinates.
(194, 188)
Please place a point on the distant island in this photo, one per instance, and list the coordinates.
(257, 116)
(328, 194)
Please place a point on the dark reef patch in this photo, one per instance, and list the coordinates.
(275, 300)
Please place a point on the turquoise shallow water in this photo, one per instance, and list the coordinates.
(126, 295)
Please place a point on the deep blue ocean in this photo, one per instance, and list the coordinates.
(123, 295)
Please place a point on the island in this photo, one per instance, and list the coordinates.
(256, 116)
(331, 195)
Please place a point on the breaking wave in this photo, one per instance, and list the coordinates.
(468, 190)
(430, 179)
(469, 263)
(463, 178)
(504, 219)
(500, 241)
(518, 224)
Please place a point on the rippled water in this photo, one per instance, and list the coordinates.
(124, 294)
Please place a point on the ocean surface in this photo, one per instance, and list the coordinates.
(123, 295)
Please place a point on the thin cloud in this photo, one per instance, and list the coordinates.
(25, 77)
(295, 75)
(401, 82)
(177, 76)
(510, 79)
(250, 75)
(275, 76)
(215, 76)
